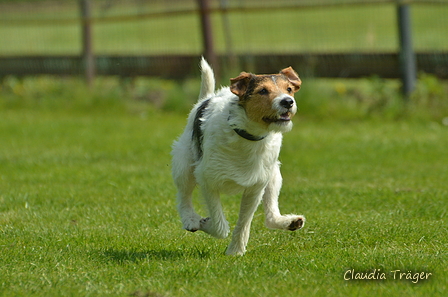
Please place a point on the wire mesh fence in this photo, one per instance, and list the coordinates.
(345, 38)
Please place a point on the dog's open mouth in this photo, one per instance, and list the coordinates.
(282, 118)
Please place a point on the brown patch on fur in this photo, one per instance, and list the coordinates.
(293, 77)
(238, 85)
(259, 105)
(257, 93)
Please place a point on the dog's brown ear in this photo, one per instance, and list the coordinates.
(293, 77)
(238, 85)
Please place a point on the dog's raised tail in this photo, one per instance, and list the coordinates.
(208, 80)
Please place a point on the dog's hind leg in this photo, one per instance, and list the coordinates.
(274, 219)
(216, 224)
(185, 182)
(249, 204)
(190, 219)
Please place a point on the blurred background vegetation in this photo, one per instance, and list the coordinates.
(319, 99)
(241, 29)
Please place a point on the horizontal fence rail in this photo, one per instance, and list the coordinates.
(351, 65)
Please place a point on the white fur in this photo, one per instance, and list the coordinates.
(229, 164)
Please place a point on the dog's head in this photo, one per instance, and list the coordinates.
(268, 99)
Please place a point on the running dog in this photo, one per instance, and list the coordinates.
(231, 144)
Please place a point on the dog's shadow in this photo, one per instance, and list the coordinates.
(135, 256)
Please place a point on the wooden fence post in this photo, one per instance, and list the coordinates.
(232, 63)
(407, 59)
(88, 59)
(207, 35)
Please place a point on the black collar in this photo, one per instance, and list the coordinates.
(246, 135)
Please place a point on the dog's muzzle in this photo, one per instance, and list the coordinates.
(286, 108)
(287, 102)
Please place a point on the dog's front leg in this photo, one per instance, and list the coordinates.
(274, 219)
(249, 203)
(216, 224)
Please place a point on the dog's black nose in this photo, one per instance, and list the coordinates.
(287, 102)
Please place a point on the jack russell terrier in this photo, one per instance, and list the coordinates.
(231, 144)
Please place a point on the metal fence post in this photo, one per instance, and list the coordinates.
(207, 35)
(88, 58)
(407, 58)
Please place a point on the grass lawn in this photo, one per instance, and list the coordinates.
(87, 208)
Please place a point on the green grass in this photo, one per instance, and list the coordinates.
(87, 204)
(344, 28)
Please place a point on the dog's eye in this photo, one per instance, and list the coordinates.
(289, 90)
(263, 92)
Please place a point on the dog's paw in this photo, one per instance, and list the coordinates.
(191, 229)
(235, 251)
(216, 230)
(192, 224)
(204, 221)
(296, 223)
